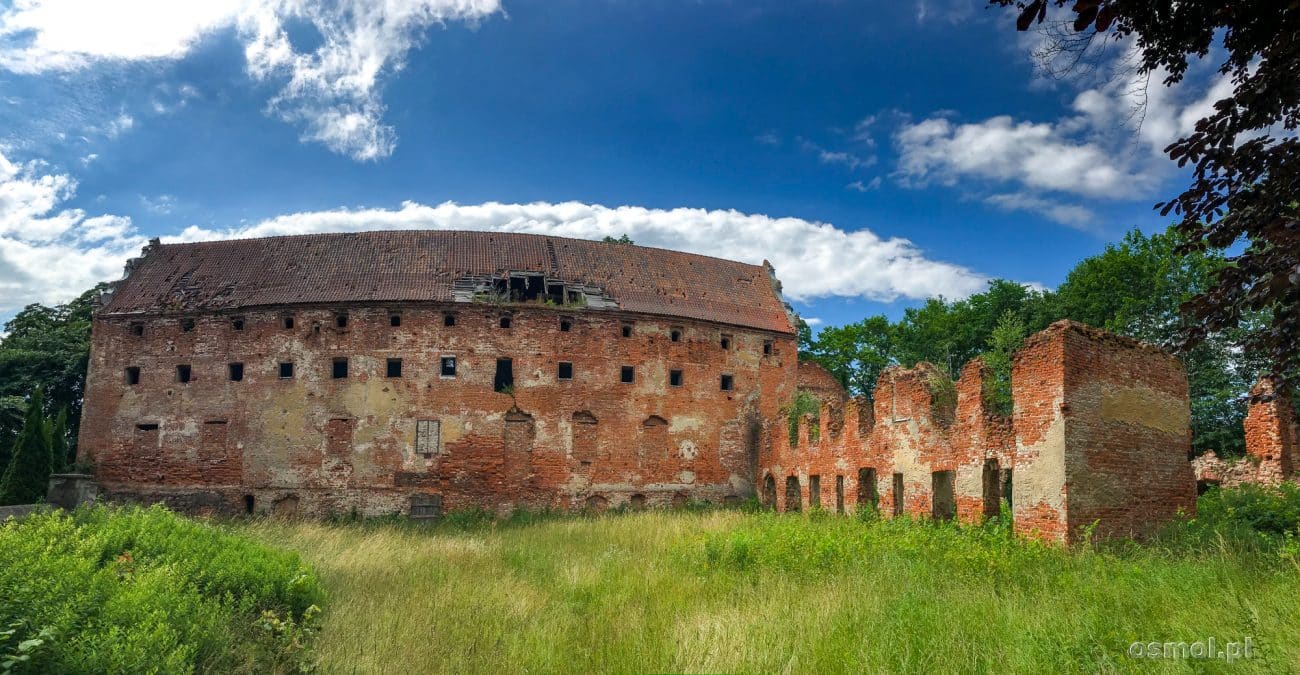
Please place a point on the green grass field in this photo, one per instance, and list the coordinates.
(728, 591)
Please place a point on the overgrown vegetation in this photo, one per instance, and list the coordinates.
(803, 403)
(38, 450)
(737, 591)
(113, 590)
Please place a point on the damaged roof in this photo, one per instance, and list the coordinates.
(421, 266)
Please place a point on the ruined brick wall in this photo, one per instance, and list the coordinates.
(819, 382)
(314, 444)
(1271, 444)
(1100, 432)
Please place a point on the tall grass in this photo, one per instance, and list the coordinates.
(726, 591)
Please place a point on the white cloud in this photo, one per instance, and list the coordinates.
(49, 253)
(162, 204)
(813, 321)
(859, 186)
(825, 156)
(812, 259)
(332, 92)
(1070, 215)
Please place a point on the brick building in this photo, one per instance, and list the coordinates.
(419, 371)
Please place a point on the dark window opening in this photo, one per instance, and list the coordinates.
(394, 368)
(555, 293)
(526, 288)
(1203, 486)
(814, 492)
(237, 323)
(187, 325)
(769, 491)
(793, 499)
(675, 335)
(727, 383)
(341, 320)
(394, 320)
(565, 325)
(235, 371)
(340, 370)
(944, 499)
(449, 366)
(286, 369)
(726, 342)
(287, 322)
(505, 322)
(137, 329)
(133, 375)
(183, 373)
(564, 371)
(626, 374)
(867, 494)
(839, 494)
(675, 378)
(1006, 487)
(992, 483)
(767, 348)
(249, 504)
(146, 427)
(627, 330)
(449, 319)
(504, 380)
(898, 494)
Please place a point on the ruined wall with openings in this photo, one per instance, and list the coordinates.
(1100, 432)
(264, 424)
(1272, 438)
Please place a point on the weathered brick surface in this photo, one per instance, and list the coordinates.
(314, 444)
(1100, 432)
(1272, 440)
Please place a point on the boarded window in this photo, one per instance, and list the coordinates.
(340, 368)
(448, 366)
(898, 494)
(428, 437)
(583, 440)
(504, 381)
(133, 375)
(286, 369)
(564, 371)
(867, 494)
(814, 491)
(839, 494)
(626, 374)
(992, 483)
(944, 499)
(653, 444)
(183, 373)
(394, 368)
(235, 371)
(675, 378)
(727, 383)
(426, 507)
(793, 500)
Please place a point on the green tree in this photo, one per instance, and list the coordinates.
(855, 353)
(1007, 338)
(622, 239)
(24, 480)
(58, 434)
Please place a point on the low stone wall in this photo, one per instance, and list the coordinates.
(7, 512)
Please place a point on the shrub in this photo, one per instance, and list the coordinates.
(142, 589)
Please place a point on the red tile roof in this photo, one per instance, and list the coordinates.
(414, 266)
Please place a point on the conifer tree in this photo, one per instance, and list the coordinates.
(24, 481)
(59, 442)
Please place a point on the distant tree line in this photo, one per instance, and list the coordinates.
(1133, 288)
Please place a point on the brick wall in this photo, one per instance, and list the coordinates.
(317, 444)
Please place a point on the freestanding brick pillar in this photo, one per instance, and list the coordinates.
(1103, 435)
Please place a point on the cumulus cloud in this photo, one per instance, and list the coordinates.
(331, 92)
(1070, 215)
(812, 259)
(49, 253)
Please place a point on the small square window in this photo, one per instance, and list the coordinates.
(183, 373)
(449, 319)
(565, 325)
(627, 330)
(340, 370)
(286, 369)
(505, 322)
(287, 322)
(187, 325)
(394, 320)
(726, 342)
(237, 323)
(394, 368)
(133, 375)
(235, 371)
(137, 328)
(727, 383)
(341, 320)
(767, 348)
(449, 366)
(626, 374)
(675, 378)
(564, 371)
(675, 335)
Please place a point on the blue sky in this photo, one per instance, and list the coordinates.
(876, 153)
